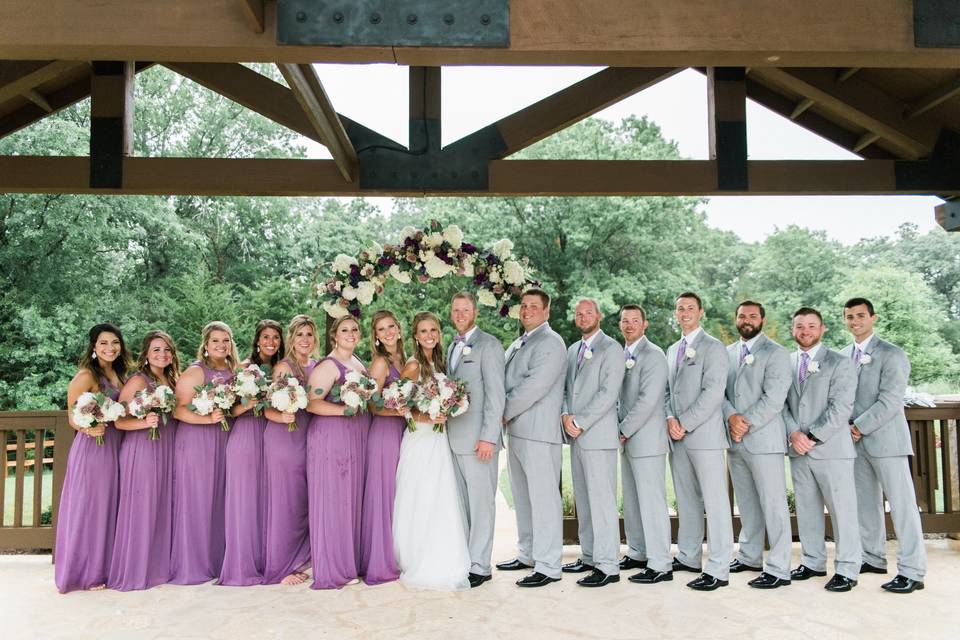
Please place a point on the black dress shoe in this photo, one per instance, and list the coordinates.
(738, 567)
(840, 583)
(902, 584)
(536, 579)
(803, 572)
(706, 582)
(649, 576)
(627, 563)
(477, 579)
(767, 581)
(679, 566)
(866, 567)
(576, 567)
(513, 565)
(598, 579)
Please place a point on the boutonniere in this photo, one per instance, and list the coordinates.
(466, 350)
(588, 353)
(748, 359)
(690, 353)
(813, 367)
(865, 359)
(631, 362)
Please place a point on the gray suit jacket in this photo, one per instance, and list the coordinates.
(878, 408)
(482, 370)
(694, 393)
(534, 387)
(757, 391)
(822, 407)
(640, 410)
(591, 392)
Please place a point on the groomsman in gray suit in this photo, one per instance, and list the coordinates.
(696, 380)
(476, 357)
(757, 385)
(535, 366)
(643, 434)
(882, 438)
(595, 368)
(821, 452)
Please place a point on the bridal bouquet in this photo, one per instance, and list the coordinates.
(250, 385)
(160, 400)
(213, 396)
(440, 395)
(95, 408)
(398, 396)
(287, 395)
(355, 392)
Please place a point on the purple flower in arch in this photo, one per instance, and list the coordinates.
(355, 311)
(492, 259)
(466, 247)
(504, 311)
(354, 270)
(408, 241)
(479, 279)
(386, 261)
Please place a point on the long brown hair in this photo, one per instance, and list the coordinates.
(290, 354)
(377, 349)
(172, 370)
(233, 358)
(428, 368)
(262, 326)
(121, 366)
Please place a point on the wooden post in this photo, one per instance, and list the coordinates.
(727, 111)
(111, 122)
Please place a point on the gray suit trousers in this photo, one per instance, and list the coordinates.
(646, 520)
(700, 481)
(817, 482)
(892, 476)
(534, 469)
(595, 492)
(478, 489)
(760, 487)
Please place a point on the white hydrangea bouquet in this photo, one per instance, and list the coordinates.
(287, 395)
(355, 392)
(440, 395)
(213, 396)
(250, 386)
(92, 409)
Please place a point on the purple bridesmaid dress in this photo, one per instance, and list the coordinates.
(335, 447)
(243, 503)
(198, 493)
(87, 517)
(377, 561)
(141, 551)
(285, 534)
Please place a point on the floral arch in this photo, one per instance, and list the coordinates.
(426, 254)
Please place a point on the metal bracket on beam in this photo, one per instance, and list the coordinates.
(948, 214)
(941, 172)
(936, 23)
(414, 23)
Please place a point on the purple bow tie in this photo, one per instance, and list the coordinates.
(459, 338)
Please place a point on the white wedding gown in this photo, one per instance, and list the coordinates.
(429, 523)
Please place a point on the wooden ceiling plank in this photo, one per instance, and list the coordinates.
(16, 78)
(802, 106)
(933, 99)
(37, 98)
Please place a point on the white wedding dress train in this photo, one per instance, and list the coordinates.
(429, 522)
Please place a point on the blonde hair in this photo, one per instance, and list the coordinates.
(172, 370)
(332, 331)
(290, 354)
(437, 361)
(233, 358)
(377, 349)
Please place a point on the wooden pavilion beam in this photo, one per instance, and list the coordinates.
(18, 78)
(111, 122)
(280, 177)
(253, 11)
(933, 99)
(858, 102)
(628, 33)
(727, 116)
(308, 89)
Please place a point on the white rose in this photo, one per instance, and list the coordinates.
(351, 399)
(365, 292)
(280, 400)
(588, 354)
(813, 367)
(249, 388)
(434, 409)
(453, 235)
(367, 270)
(865, 359)
(486, 298)
(202, 405)
(494, 276)
(375, 250)
(513, 272)
(466, 350)
(445, 392)
(352, 376)
(502, 248)
(690, 353)
(514, 312)
(631, 363)
(407, 232)
(433, 240)
(468, 270)
(335, 310)
(349, 293)
(343, 262)
(113, 411)
(748, 359)
(400, 276)
(436, 268)
(301, 400)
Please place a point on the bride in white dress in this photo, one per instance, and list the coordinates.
(429, 522)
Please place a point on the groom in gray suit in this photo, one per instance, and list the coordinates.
(882, 438)
(595, 368)
(535, 365)
(757, 385)
(643, 434)
(696, 380)
(476, 357)
(821, 452)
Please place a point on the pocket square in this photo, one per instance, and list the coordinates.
(467, 361)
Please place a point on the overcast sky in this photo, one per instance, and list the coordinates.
(477, 96)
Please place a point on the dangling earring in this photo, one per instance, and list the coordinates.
(94, 356)
(258, 349)
(378, 342)
(205, 354)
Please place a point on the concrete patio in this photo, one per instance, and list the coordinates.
(29, 604)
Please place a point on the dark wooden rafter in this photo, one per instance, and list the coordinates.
(933, 99)
(253, 12)
(425, 109)
(727, 122)
(20, 78)
(111, 122)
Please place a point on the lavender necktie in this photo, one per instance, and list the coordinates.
(804, 363)
(681, 351)
(856, 355)
(583, 349)
(744, 351)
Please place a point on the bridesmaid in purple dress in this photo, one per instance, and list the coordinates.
(141, 551)
(198, 468)
(87, 517)
(377, 561)
(243, 503)
(335, 445)
(285, 533)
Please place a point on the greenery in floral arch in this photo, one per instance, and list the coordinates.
(427, 254)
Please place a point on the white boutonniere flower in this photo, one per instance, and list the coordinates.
(588, 354)
(631, 363)
(865, 359)
(466, 350)
(690, 353)
(813, 367)
(748, 359)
